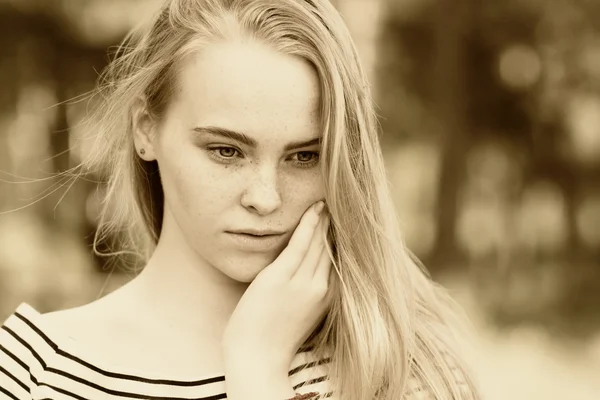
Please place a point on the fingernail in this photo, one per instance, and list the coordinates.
(319, 207)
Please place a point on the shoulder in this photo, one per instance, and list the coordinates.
(92, 324)
(74, 321)
(26, 330)
(85, 324)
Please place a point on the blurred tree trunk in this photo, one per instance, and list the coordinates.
(40, 53)
(453, 21)
(8, 99)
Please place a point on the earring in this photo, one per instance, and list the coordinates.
(142, 151)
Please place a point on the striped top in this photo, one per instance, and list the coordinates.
(36, 363)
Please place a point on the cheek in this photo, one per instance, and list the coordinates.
(195, 184)
(302, 189)
(208, 194)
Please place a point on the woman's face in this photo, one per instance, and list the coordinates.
(215, 184)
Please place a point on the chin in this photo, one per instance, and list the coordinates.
(245, 270)
(245, 276)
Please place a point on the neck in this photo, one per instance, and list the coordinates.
(185, 292)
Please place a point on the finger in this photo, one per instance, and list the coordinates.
(291, 257)
(323, 268)
(307, 267)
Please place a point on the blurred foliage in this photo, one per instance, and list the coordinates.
(491, 119)
(502, 102)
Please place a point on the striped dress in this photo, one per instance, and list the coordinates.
(38, 364)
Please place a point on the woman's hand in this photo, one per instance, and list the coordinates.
(286, 300)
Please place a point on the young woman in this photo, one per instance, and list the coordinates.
(224, 125)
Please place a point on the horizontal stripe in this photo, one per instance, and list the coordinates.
(32, 362)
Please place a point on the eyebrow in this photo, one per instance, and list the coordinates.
(247, 140)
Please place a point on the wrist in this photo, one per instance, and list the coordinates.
(254, 381)
(243, 358)
(260, 368)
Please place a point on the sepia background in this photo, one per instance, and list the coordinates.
(490, 112)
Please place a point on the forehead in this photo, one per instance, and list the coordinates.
(249, 87)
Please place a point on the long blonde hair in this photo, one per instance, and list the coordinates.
(390, 330)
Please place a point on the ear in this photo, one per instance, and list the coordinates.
(144, 130)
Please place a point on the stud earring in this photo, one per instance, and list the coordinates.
(142, 151)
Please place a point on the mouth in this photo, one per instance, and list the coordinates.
(257, 233)
(253, 235)
(256, 242)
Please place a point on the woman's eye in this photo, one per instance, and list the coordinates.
(302, 156)
(227, 152)
(306, 159)
(223, 153)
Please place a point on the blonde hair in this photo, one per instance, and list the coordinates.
(390, 330)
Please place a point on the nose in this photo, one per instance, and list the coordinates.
(261, 194)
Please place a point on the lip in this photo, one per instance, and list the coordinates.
(257, 232)
(249, 242)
